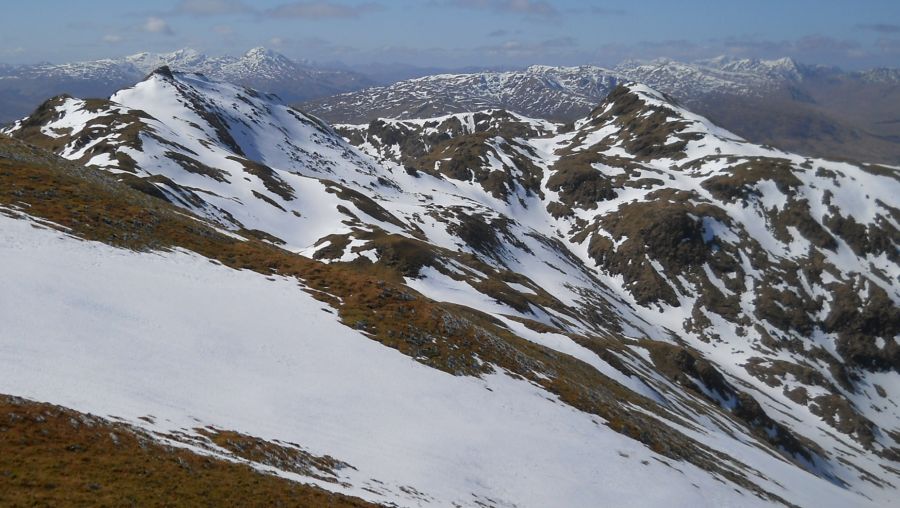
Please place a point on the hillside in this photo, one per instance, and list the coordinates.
(421, 300)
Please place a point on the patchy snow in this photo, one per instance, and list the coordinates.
(556, 262)
(193, 343)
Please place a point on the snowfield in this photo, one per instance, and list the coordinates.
(192, 343)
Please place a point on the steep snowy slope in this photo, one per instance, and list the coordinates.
(217, 360)
(732, 307)
(209, 346)
(781, 270)
(215, 148)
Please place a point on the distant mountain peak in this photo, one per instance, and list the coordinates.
(259, 57)
(261, 52)
(191, 52)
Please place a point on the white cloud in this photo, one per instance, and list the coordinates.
(156, 25)
(112, 38)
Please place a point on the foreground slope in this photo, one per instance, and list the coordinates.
(679, 284)
(54, 456)
(187, 351)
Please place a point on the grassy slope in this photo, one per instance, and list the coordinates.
(52, 456)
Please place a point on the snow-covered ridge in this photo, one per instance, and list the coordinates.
(631, 233)
(259, 67)
(552, 92)
(219, 138)
(259, 63)
(539, 91)
(567, 93)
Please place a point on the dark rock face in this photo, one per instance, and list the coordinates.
(668, 233)
(579, 184)
(859, 324)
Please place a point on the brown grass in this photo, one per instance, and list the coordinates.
(52, 456)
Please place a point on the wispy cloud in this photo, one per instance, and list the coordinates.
(559, 42)
(112, 38)
(310, 9)
(534, 8)
(882, 28)
(889, 46)
(155, 25)
(516, 49)
(598, 10)
(322, 9)
(211, 7)
(223, 29)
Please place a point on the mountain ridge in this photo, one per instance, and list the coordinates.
(28, 85)
(815, 110)
(730, 306)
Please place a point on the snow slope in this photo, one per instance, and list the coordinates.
(638, 237)
(194, 344)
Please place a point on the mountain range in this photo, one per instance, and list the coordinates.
(23, 87)
(814, 110)
(810, 109)
(472, 309)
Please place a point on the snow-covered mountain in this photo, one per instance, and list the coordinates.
(720, 75)
(561, 93)
(258, 68)
(637, 294)
(24, 87)
(815, 110)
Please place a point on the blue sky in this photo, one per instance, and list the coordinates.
(457, 33)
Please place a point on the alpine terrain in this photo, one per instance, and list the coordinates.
(458, 306)
(811, 109)
(24, 87)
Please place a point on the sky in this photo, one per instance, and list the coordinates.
(459, 33)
